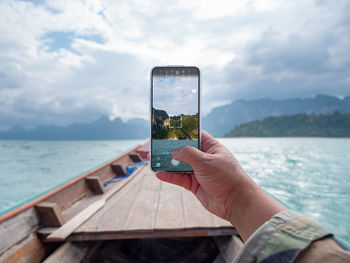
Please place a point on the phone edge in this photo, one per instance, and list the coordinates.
(199, 112)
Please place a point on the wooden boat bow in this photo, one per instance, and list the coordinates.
(83, 209)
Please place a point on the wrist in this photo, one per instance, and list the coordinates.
(240, 199)
(248, 207)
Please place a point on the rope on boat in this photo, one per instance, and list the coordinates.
(130, 169)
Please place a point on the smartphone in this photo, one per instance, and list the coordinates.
(175, 115)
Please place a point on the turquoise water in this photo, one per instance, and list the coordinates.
(311, 176)
(161, 155)
(28, 168)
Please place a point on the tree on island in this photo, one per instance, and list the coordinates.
(300, 125)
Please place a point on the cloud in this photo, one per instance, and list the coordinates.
(308, 57)
(65, 61)
(176, 95)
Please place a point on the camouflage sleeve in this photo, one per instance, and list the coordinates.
(283, 238)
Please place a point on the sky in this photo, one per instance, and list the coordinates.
(176, 95)
(73, 61)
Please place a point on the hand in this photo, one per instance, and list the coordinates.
(216, 176)
(221, 185)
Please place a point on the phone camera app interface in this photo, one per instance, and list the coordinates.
(175, 115)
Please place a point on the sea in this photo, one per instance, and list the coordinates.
(309, 175)
(161, 155)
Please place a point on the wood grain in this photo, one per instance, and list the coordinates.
(113, 215)
(17, 228)
(170, 211)
(135, 157)
(118, 169)
(110, 235)
(147, 207)
(64, 231)
(194, 213)
(50, 214)
(95, 184)
(143, 213)
(31, 249)
(67, 191)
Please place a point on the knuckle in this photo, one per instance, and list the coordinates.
(205, 162)
(207, 158)
(186, 147)
(184, 150)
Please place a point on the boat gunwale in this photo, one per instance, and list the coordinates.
(32, 202)
(143, 233)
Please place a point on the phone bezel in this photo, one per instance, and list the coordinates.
(199, 108)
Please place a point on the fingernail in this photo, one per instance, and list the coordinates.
(175, 153)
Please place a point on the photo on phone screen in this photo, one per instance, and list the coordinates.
(175, 115)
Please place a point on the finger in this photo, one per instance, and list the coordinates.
(183, 180)
(190, 155)
(208, 141)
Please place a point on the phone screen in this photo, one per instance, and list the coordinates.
(175, 109)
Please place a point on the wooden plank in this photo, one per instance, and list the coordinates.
(143, 213)
(17, 228)
(71, 191)
(113, 215)
(78, 206)
(69, 195)
(118, 169)
(110, 235)
(95, 185)
(135, 157)
(50, 214)
(64, 231)
(31, 249)
(195, 214)
(67, 253)
(170, 212)
(106, 173)
(122, 217)
(122, 183)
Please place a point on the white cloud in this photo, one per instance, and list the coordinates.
(266, 5)
(245, 49)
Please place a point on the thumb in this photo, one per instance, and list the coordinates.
(190, 155)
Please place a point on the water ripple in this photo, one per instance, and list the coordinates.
(311, 175)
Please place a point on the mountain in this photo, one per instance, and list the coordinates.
(218, 122)
(222, 119)
(180, 127)
(161, 114)
(330, 125)
(100, 129)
